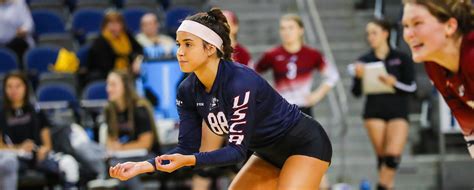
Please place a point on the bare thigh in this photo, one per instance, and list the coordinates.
(302, 173)
(397, 133)
(376, 129)
(256, 174)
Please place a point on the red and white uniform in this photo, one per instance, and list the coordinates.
(293, 72)
(241, 55)
(457, 89)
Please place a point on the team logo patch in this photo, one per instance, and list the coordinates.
(214, 103)
(394, 62)
(179, 103)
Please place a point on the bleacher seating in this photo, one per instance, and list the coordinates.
(86, 23)
(8, 61)
(175, 16)
(37, 60)
(132, 18)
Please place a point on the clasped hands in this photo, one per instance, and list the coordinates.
(164, 163)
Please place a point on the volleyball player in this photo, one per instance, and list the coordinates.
(292, 151)
(386, 115)
(293, 64)
(439, 33)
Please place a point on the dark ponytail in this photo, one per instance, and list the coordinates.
(217, 22)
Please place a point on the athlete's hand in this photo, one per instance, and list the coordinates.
(176, 161)
(128, 170)
(389, 80)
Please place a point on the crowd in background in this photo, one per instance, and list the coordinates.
(116, 54)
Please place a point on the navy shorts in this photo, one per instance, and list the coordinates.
(306, 138)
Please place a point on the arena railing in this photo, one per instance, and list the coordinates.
(337, 97)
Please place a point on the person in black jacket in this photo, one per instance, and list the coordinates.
(114, 49)
(26, 130)
(386, 115)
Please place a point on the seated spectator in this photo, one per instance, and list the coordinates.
(156, 46)
(25, 131)
(130, 121)
(114, 49)
(16, 26)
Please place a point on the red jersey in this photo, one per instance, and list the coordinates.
(293, 72)
(457, 89)
(241, 55)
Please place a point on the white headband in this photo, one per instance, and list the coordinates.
(202, 32)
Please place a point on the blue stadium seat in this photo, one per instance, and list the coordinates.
(132, 18)
(86, 22)
(8, 61)
(38, 59)
(55, 92)
(95, 91)
(47, 22)
(175, 16)
(82, 54)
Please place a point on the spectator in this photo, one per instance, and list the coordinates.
(16, 26)
(240, 54)
(156, 46)
(130, 121)
(293, 64)
(25, 130)
(386, 115)
(114, 49)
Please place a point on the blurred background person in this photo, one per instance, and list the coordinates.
(240, 54)
(130, 122)
(114, 49)
(386, 115)
(156, 46)
(25, 129)
(16, 26)
(293, 64)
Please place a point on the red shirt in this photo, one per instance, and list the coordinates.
(293, 72)
(457, 89)
(241, 55)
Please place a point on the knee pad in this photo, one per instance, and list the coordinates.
(392, 161)
(379, 162)
(381, 187)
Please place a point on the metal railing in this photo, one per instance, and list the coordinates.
(337, 97)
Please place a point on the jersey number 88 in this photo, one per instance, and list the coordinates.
(218, 123)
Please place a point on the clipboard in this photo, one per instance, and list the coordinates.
(371, 84)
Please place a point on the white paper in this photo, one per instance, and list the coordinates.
(371, 84)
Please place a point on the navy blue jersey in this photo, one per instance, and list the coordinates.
(240, 105)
